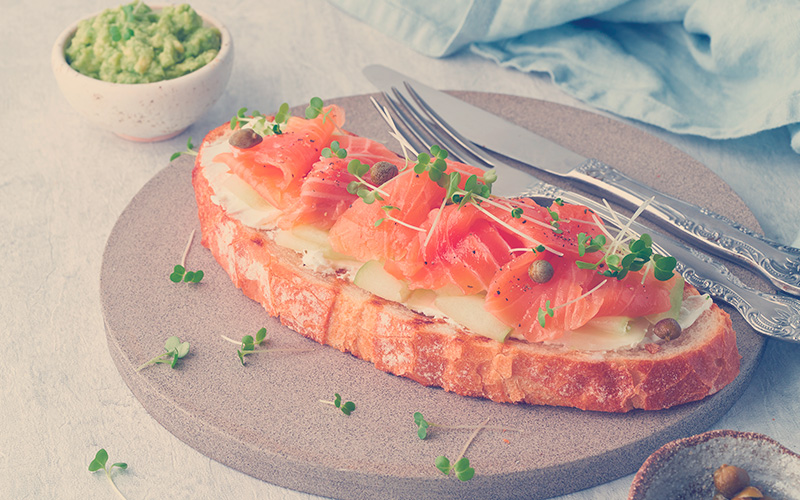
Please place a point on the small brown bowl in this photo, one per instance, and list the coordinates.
(683, 469)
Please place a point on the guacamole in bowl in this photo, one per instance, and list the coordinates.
(135, 44)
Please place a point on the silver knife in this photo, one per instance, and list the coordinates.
(715, 233)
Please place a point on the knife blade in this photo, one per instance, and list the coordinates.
(712, 232)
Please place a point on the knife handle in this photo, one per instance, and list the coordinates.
(715, 233)
(773, 315)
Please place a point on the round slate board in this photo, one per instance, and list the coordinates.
(266, 419)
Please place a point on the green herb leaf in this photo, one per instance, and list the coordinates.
(314, 108)
(348, 407)
(463, 471)
(99, 461)
(422, 425)
(443, 464)
(261, 334)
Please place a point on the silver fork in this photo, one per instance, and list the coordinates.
(774, 315)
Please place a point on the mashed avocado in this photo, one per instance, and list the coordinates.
(133, 44)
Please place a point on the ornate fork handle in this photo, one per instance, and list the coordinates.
(777, 316)
(708, 230)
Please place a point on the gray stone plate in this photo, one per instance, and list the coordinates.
(266, 420)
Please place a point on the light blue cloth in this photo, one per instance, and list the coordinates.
(715, 68)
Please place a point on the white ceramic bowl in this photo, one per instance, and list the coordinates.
(684, 469)
(145, 111)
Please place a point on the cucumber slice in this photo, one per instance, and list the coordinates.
(310, 239)
(242, 191)
(606, 333)
(468, 311)
(372, 277)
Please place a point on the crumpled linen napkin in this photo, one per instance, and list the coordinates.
(715, 68)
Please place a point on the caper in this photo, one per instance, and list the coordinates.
(540, 271)
(245, 138)
(382, 171)
(748, 493)
(729, 479)
(667, 329)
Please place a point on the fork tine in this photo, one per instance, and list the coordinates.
(421, 125)
(441, 124)
(408, 123)
(412, 141)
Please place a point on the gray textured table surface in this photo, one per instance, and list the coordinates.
(64, 184)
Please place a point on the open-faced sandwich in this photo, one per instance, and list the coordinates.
(412, 264)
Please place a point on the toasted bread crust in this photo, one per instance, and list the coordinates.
(331, 310)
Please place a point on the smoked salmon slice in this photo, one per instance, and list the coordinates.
(275, 168)
(323, 196)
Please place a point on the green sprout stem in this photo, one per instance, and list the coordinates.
(504, 206)
(398, 221)
(472, 438)
(502, 223)
(188, 151)
(423, 426)
(179, 272)
(405, 146)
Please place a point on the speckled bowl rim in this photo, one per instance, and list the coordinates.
(225, 50)
(663, 455)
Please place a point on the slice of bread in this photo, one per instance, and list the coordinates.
(329, 309)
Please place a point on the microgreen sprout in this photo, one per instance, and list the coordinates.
(555, 222)
(347, 407)
(314, 109)
(249, 343)
(100, 461)
(260, 123)
(589, 245)
(189, 151)
(638, 254)
(619, 263)
(663, 267)
(179, 272)
(423, 426)
(334, 150)
(366, 191)
(175, 350)
(369, 193)
(460, 465)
